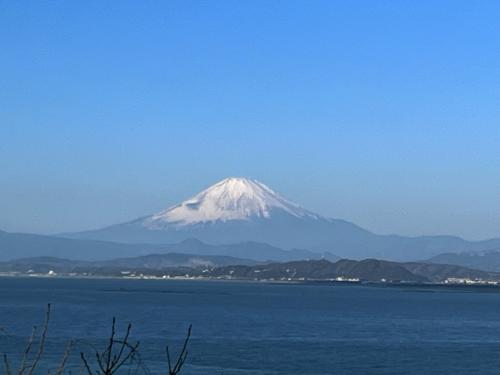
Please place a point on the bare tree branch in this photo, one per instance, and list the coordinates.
(64, 360)
(6, 365)
(86, 364)
(117, 354)
(27, 351)
(111, 341)
(124, 343)
(110, 360)
(41, 345)
(181, 359)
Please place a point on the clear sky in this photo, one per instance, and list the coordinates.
(384, 113)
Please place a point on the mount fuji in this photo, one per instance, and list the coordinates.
(232, 199)
(238, 210)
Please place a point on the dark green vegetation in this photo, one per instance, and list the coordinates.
(372, 270)
(182, 265)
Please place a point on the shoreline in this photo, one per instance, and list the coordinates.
(386, 284)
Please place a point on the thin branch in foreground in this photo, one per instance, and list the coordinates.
(6, 365)
(41, 345)
(181, 359)
(65, 358)
(117, 354)
(86, 364)
(27, 351)
(110, 360)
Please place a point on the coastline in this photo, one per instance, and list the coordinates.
(311, 282)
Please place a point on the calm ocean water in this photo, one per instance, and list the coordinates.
(256, 328)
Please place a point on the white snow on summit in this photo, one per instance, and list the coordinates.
(229, 199)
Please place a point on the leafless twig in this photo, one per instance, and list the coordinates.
(109, 361)
(181, 359)
(41, 345)
(118, 353)
(27, 351)
(6, 365)
(65, 358)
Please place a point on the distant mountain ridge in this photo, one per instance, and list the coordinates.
(366, 270)
(19, 245)
(238, 210)
(144, 262)
(482, 260)
(372, 270)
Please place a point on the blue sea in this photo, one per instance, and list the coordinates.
(244, 328)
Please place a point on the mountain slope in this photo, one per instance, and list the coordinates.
(440, 272)
(172, 264)
(373, 270)
(366, 270)
(19, 245)
(145, 262)
(483, 260)
(228, 200)
(241, 210)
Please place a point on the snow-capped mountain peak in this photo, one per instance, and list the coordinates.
(234, 198)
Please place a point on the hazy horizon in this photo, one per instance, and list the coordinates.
(383, 114)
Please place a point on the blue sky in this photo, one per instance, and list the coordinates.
(383, 113)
